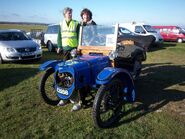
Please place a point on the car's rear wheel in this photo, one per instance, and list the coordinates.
(179, 40)
(50, 47)
(1, 59)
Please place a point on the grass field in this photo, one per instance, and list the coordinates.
(23, 27)
(158, 113)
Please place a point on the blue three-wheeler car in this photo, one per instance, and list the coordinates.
(102, 65)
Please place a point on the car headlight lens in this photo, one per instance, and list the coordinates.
(39, 47)
(11, 50)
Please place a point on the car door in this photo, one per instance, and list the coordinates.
(140, 30)
(51, 34)
(164, 33)
(171, 35)
(55, 30)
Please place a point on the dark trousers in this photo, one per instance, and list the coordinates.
(66, 55)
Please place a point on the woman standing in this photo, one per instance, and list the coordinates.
(86, 16)
(89, 31)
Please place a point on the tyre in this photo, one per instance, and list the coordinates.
(108, 104)
(179, 40)
(1, 59)
(47, 90)
(50, 47)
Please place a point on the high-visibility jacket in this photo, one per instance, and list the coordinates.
(69, 34)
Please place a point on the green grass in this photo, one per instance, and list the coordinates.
(158, 112)
(23, 27)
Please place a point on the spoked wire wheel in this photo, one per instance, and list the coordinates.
(47, 88)
(108, 104)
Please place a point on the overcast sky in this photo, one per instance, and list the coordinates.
(155, 12)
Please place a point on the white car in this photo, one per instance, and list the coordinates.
(15, 45)
(50, 37)
(144, 30)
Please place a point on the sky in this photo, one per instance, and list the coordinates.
(154, 12)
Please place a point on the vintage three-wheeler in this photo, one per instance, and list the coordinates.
(105, 64)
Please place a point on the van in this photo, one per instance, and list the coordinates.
(144, 30)
(171, 33)
(50, 37)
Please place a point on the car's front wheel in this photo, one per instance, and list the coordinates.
(47, 88)
(108, 104)
(50, 47)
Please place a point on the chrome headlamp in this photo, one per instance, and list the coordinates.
(73, 53)
(10, 50)
(113, 55)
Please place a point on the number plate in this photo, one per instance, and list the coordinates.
(62, 91)
(27, 54)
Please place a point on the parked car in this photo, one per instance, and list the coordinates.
(50, 37)
(171, 33)
(15, 45)
(143, 41)
(144, 30)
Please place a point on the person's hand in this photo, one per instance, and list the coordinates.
(58, 50)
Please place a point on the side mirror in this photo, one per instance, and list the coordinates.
(143, 32)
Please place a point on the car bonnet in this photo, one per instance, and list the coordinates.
(18, 44)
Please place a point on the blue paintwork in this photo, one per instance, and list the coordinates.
(106, 75)
(48, 64)
(90, 70)
(84, 70)
(69, 90)
(96, 65)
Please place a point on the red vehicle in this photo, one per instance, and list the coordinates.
(171, 33)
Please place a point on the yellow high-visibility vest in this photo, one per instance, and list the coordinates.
(69, 34)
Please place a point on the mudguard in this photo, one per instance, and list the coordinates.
(48, 64)
(105, 76)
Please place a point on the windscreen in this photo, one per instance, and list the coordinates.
(149, 28)
(96, 35)
(181, 30)
(13, 36)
